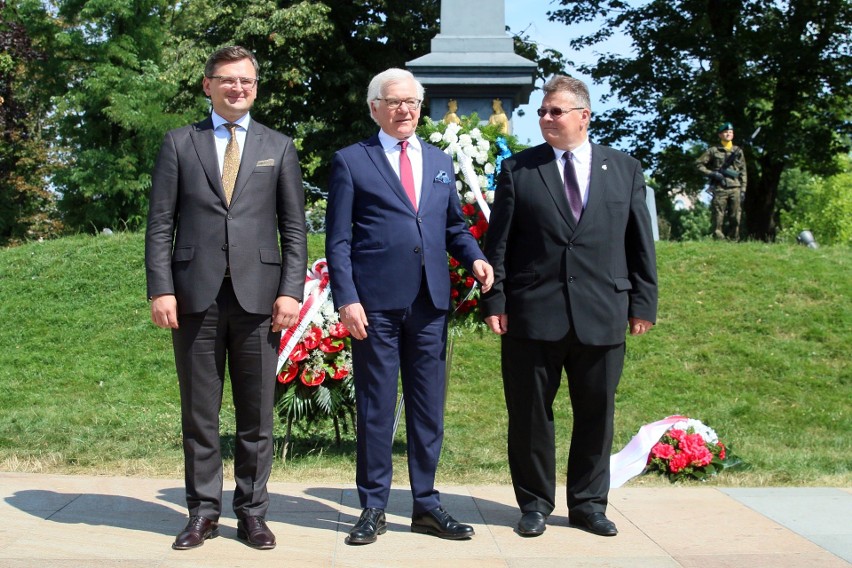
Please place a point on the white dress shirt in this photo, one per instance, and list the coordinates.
(415, 156)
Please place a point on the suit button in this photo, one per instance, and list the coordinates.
(420, 219)
(229, 217)
(225, 247)
(417, 250)
(570, 279)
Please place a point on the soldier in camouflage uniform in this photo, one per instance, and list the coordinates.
(727, 182)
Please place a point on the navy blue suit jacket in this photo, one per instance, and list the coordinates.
(378, 248)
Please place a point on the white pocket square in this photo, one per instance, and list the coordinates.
(262, 163)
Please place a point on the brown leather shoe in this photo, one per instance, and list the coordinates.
(254, 532)
(197, 530)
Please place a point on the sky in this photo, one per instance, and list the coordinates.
(530, 16)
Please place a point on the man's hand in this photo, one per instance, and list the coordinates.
(285, 313)
(716, 176)
(639, 326)
(483, 272)
(352, 316)
(164, 311)
(498, 324)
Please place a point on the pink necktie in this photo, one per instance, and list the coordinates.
(406, 175)
(575, 200)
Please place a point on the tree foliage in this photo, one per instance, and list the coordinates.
(784, 67)
(120, 74)
(27, 207)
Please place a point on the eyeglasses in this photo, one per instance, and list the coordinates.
(230, 82)
(556, 112)
(394, 104)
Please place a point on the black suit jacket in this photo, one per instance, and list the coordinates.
(193, 235)
(551, 273)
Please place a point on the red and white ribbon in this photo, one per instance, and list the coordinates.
(466, 167)
(631, 461)
(316, 293)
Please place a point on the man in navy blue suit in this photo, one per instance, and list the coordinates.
(393, 215)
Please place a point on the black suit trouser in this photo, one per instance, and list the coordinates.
(532, 372)
(203, 344)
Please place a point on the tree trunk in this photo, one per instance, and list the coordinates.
(759, 206)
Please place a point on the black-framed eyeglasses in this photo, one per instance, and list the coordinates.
(394, 104)
(225, 81)
(555, 112)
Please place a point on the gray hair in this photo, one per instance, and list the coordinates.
(229, 54)
(389, 77)
(570, 85)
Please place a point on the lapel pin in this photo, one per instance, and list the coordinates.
(603, 167)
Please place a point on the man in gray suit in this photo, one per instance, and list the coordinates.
(574, 266)
(225, 192)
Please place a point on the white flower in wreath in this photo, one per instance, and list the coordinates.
(484, 145)
(489, 168)
(489, 196)
(453, 148)
(435, 137)
(459, 186)
(456, 167)
(470, 151)
(481, 158)
(476, 133)
(483, 181)
(469, 197)
(465, 140)
(699, 427)
(450, 137)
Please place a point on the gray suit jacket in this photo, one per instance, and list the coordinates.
(193, 236)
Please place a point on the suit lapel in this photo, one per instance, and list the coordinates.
(549, 172)
(254, 140)
(205, 147)
(377, 154)
(428, 172)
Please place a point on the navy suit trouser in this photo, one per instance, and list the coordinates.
(410, 343)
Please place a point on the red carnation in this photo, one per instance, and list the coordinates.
(469, 282)
(468, 209)
(476, 232)
(454, 293)
(678, 462)
(663, 451)
(454, 263)
(455, 277)
(722, 450)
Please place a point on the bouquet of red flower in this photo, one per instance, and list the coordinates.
(689, 449)
(315, 378)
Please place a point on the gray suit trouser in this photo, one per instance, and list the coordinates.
(203, 344)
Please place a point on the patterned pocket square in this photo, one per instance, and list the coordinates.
(262, 163)
(442, 177)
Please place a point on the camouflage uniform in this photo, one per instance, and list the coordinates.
(726, 192)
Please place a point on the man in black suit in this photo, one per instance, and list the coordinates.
(573, 254)
(225, 192)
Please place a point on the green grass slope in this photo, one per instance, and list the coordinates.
(752, 339)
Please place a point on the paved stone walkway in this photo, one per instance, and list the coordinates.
(62, 521)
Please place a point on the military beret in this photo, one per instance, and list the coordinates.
(725, 126)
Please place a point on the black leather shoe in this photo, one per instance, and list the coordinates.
(532, 523)
(197, 530)
(596, 523)
(371, 524)
(254, 532)
(439, 523)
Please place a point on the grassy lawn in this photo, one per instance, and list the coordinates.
(752, 339)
